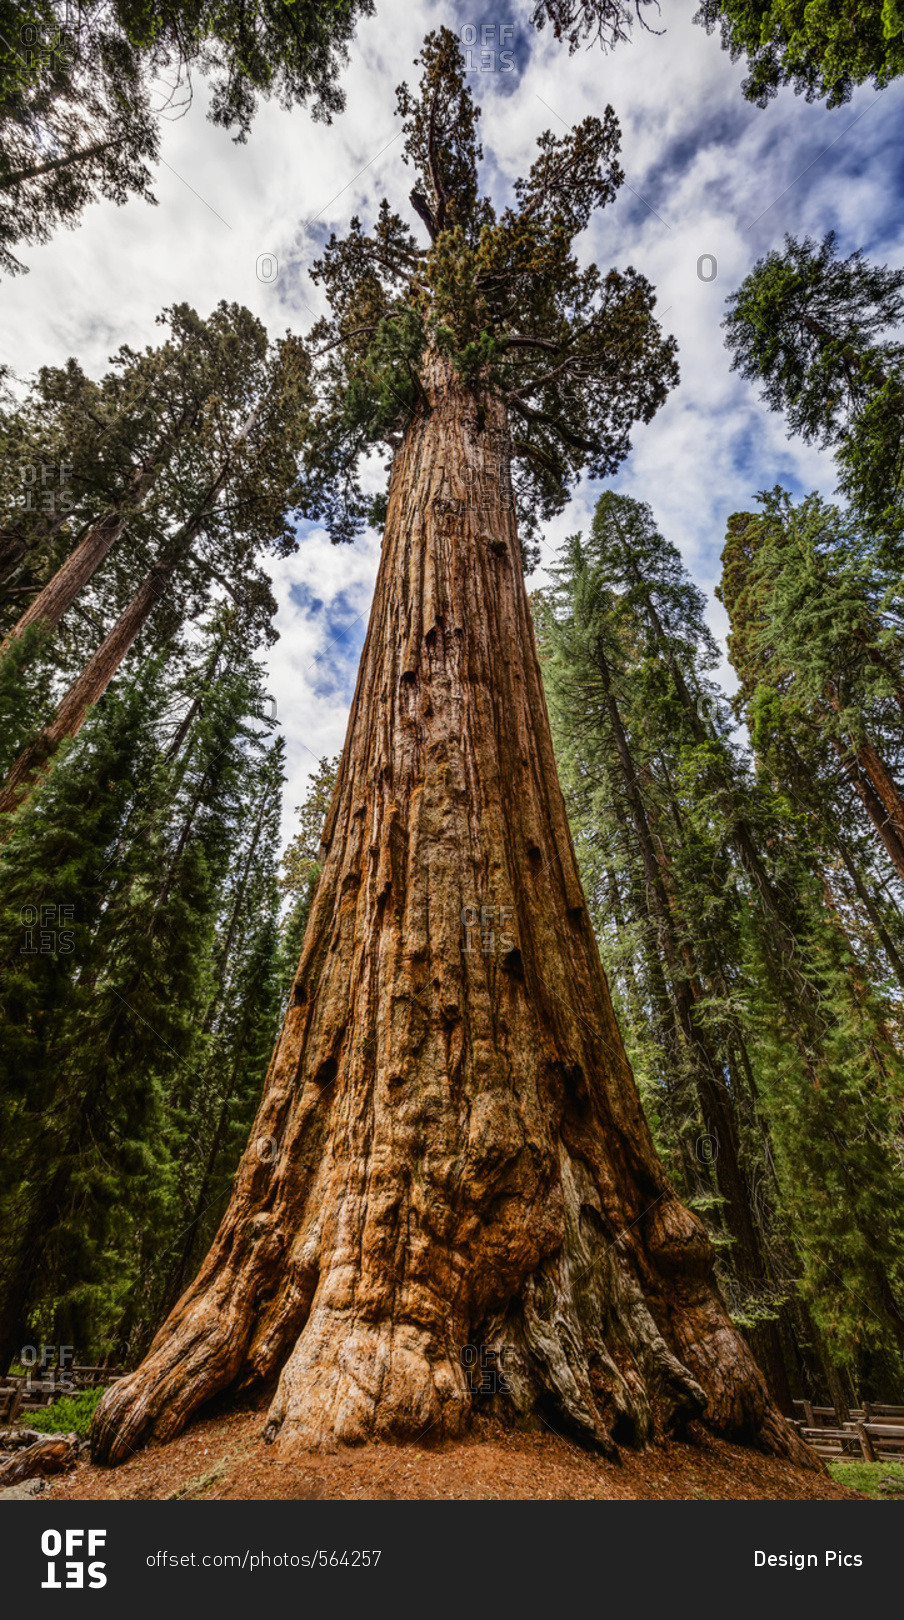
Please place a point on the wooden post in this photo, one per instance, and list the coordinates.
(809, 1419)
(866, 1444)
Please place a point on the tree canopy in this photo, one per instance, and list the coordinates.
(820, 48)
(83, 90)
(819, 333)
(575, 352)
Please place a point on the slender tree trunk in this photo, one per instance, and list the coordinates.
(89, 686)
(878, 814)
(871, 909)
(9, 181)
(885, 785)
(80, 566)
(456, 1150)
(714, 1101)
(97, 674)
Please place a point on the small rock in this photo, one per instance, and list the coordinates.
(23, 1493)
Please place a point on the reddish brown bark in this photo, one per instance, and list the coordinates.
(89, 686)
(73, 575)
(450, 1151)
(97, 674)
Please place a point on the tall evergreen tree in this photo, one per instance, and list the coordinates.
(230, 493)
(702, 885)
(462, 1153)
(818, 642)
(822, 49)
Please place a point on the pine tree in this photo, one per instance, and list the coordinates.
(697, 870)
(231, 493)
(817, 641)
(822, 50)
(73, 1136)
(145, 1044)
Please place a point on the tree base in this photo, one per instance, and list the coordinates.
(578, 1349)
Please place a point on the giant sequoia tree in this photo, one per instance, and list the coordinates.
(456, 1155)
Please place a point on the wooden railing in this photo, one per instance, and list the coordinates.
(874, 1431)
(21, 1393)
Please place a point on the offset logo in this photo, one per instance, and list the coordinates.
(74, 1568)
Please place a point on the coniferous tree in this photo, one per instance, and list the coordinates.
(820, 48)
(818, 642)
(823, 50)
(459, 1131)
(79, 104)
(133, 1058)
(698, 871)
(231, 492)
(819, 334)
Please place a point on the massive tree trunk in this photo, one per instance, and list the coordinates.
(450, 1156)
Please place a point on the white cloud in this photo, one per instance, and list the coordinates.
(724, 178)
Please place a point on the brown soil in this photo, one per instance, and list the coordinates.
(223, 1457)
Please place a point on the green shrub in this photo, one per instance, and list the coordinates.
(70, 1412)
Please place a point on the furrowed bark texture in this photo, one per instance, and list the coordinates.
(450, 1157)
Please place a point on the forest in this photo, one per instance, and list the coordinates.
(564, 1031)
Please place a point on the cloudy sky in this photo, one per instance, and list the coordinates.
(711, 183)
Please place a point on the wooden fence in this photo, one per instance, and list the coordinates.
(21, 1393)
(874, 1431)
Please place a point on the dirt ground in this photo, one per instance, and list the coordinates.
(224, 1457)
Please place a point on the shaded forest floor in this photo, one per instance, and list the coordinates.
(223, 1457)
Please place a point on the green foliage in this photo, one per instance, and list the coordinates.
(868, 1478)
(753, 957)
(303, 852)
(145, 978)
(80, 91)
(813, 329)
(71, 1414)
(574, 352)
(190, 446)
(824, 50)
(816, 641)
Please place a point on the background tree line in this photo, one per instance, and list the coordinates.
(147, 937)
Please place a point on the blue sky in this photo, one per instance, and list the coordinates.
(707, 174)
